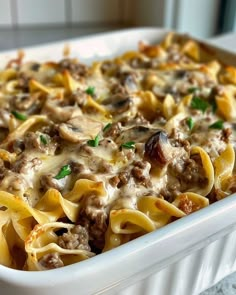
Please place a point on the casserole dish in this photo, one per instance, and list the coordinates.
(151, 258)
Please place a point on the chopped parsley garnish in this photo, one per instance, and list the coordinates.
(65, 170)
(19, 116)
(199, 104)
(213, 105)
(93, 142)
(106, 127)
(128, 145)
(190, 123)
(43, 139)
(90, 90)
(193, 89)
(217, 125)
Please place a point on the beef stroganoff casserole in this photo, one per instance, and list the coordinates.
(95, 156)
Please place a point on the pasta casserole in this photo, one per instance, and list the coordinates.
(92, 157)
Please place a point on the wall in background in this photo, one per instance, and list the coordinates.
(198, 17)
(58, 12)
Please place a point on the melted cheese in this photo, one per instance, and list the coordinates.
(154, 163)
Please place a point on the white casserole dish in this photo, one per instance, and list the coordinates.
(184, 257)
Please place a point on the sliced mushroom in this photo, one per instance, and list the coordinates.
(128, 80)
(5, 117)
(136, 134)
(119, 103)
(139, 62)
(122, 105)
(23, 101)
(60, 113)
(26, 102)
(79, 97)
(79, 128)
(117, 88)
(159, 150)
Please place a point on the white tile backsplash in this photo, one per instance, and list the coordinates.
(197, 17)
(43, 12)
(179, 15)
(95, 11)
(40, 12)
(5, 13)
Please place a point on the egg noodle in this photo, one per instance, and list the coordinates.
(92, 157)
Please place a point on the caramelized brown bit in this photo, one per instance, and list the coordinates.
(51, 261)
(187, 206)
(114, 181)
(226, 133)
(124, 178)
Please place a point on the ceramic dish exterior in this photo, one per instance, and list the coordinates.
(188, 255)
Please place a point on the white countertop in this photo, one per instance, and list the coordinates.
(227, 41)
(15, 38)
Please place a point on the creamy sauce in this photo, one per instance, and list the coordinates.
(130, 124)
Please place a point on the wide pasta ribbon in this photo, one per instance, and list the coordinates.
(224, 165)
(43, 240)
(20, 131)
(147, 103)
(129, 221)
(158, 210)
(208, 169)
(169, 106)
(226, 103)
(189, 202)
(55, 206)
(5, 256)
(174, 122)
(21, 214)
(6, 156)
(125, 225)
(85, 187)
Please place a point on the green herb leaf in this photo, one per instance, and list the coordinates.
(65, 170)
(107, 127)
(43, 139)
(199, 104)
(213, 105)
(93, 142)
(90, 90)
(193, 89)
(19, 116)
(217, 125)
(190, 123)
(128, 145)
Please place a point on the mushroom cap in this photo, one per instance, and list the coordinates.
(158, 148)
(79, 128)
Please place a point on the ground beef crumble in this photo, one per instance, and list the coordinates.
(140, 172)
(94, 219)
(187, 205)
(51, 261)
(75, 238)
(188, 171)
